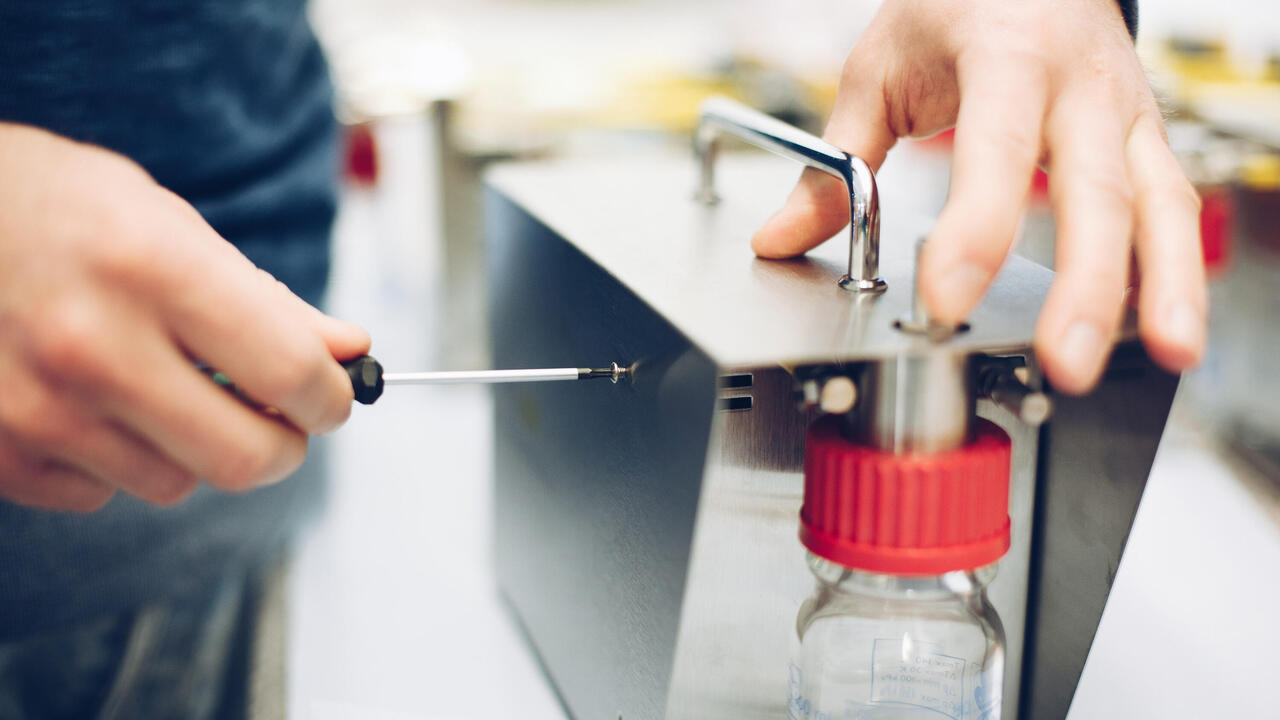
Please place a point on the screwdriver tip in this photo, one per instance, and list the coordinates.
(614, 372)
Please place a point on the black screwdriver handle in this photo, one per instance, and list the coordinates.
(366, 378)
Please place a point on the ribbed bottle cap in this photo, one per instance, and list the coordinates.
(906, 514)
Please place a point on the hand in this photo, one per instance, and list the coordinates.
(110, 287)
(1044, 80)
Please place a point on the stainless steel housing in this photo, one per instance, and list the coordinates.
(646, 532)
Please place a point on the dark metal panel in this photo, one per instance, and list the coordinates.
(596, 485)
(1095, 456)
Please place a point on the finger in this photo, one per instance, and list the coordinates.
(818, 207)
(48, 486)
(345, 340)
(121, 459)
(46, 425)
(1092, 203)
(1172, 304)
(200, 426)
(1002, 107)
(237, 320)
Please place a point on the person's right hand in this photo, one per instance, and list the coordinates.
(111, 287)
(1049, 82)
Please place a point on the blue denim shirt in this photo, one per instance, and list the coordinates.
(228, 104)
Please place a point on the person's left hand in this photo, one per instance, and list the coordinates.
(1051, 80)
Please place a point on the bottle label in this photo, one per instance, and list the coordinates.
(906, 672)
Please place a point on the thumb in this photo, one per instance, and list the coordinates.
(345, 340)
(818, 207)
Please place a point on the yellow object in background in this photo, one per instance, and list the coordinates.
(1198, 60)
(1261, 172)
(664, 99)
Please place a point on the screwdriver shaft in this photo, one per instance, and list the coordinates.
(368, 378)
(450, 377)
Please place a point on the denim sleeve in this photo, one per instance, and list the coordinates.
(228, 104)
(1129, 8)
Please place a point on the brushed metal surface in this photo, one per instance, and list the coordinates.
(648, 542)
(693, 264)
(1095, 456)
(596, 484)
(921, 403)
(747, 575)
(1008, 592)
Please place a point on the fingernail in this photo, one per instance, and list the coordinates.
(1081, 347)
(1183, 325)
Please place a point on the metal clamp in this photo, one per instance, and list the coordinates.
(720, 115)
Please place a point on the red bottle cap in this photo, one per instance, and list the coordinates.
(906, 514)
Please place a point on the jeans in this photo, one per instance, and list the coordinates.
(185, 657)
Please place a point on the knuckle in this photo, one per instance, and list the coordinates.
(67, 340)
(18, 412)
(1184, 195)
(120, 248)
(245, 467)
(918, 103)
(289, 375)
(86, 499)
(1101, 70)
(60, 488)
(1104, 183)
(982, 252)
(856, 63)
(258, 464)
(169, 489)
(296, 380)
(1011, 52)
(968, 234)
(1175, 198)
(1114, 79)
(32, 418)
(1118, 190)
(132, 251)
(1020, 142)
(117, 168)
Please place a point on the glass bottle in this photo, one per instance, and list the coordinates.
(903, 546)
(875, 646)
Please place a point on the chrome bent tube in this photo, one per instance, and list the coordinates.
(720, 115)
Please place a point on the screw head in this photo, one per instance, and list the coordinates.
(838, 395)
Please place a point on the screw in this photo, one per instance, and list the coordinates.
(838, 395)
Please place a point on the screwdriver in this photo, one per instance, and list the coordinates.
(368, 378)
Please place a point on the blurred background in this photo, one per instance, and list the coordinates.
(392, 610)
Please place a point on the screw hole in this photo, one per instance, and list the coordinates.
(934, 332)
